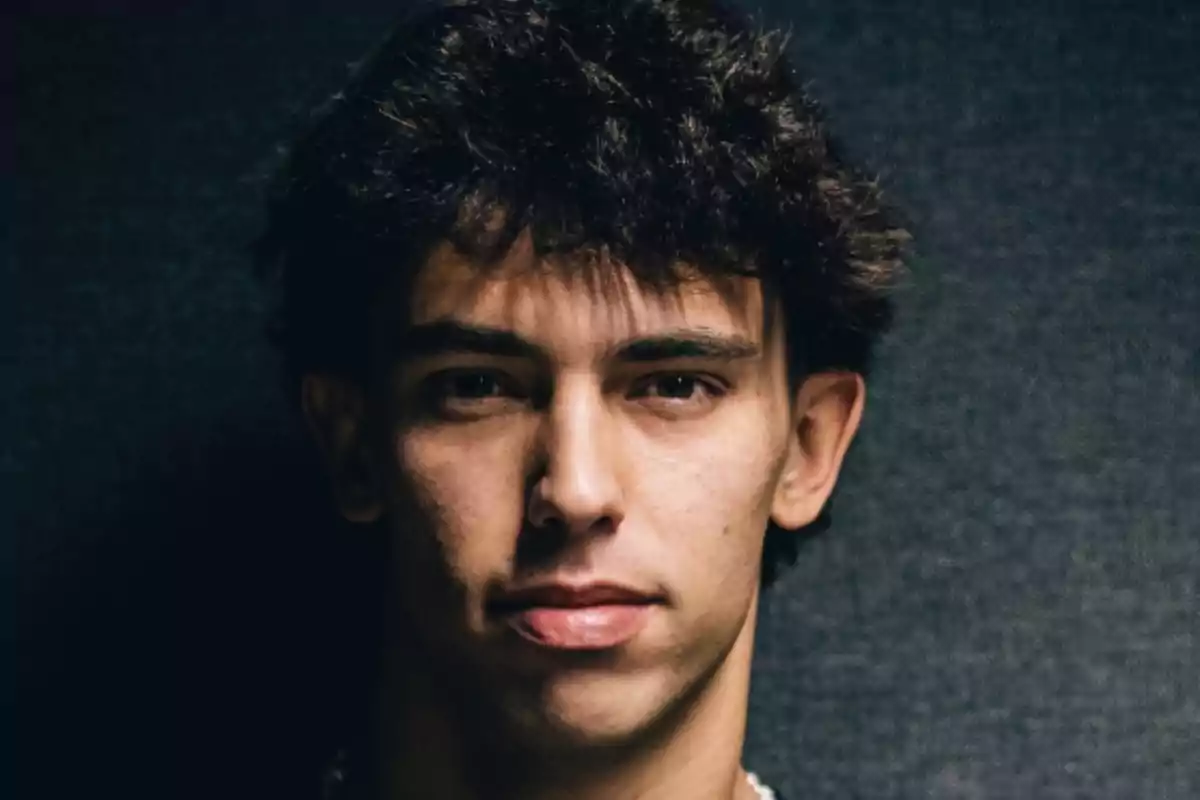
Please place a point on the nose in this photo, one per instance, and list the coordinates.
(579, 490)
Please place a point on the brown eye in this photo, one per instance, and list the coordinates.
(675, 387)
(678, 390)
(471, 393)
(472, 385)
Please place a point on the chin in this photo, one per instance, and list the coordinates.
(582, 710)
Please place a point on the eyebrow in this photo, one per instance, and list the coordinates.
(687, 344)
(448, 337)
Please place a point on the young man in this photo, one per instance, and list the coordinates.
(577, 301)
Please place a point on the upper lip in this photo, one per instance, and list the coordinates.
(571, 595)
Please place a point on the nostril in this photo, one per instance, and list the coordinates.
(541, 544)
(576, 509)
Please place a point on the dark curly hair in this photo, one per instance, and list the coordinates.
(659, 132)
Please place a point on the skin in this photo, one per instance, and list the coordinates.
(589, 449)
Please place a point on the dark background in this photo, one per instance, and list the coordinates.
(1007, 604)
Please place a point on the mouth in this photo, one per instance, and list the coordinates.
(596, 616)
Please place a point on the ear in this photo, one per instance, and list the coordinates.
(336, 415)
(827, 411)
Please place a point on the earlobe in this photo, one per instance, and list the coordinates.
(827, 412)
(335, 412)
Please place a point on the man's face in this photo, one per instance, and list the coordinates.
(548, 432)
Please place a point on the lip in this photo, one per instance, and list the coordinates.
(593, 616)
(568, 595)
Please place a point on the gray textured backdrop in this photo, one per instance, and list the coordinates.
(1007, 604)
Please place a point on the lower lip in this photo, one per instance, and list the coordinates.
(587, 628)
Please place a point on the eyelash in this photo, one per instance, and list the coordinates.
(439, 387)
(706, 383)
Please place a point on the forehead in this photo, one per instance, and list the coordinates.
(577, 306)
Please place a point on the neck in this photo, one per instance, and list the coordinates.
(428, 747)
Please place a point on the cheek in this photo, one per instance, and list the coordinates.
(708, 504)
(711, 502)
(466, 499)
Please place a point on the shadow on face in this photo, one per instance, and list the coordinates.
(537, 425)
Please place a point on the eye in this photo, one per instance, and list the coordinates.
(471, 392)
(471, 385)
(675, 387)
(678, 391)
